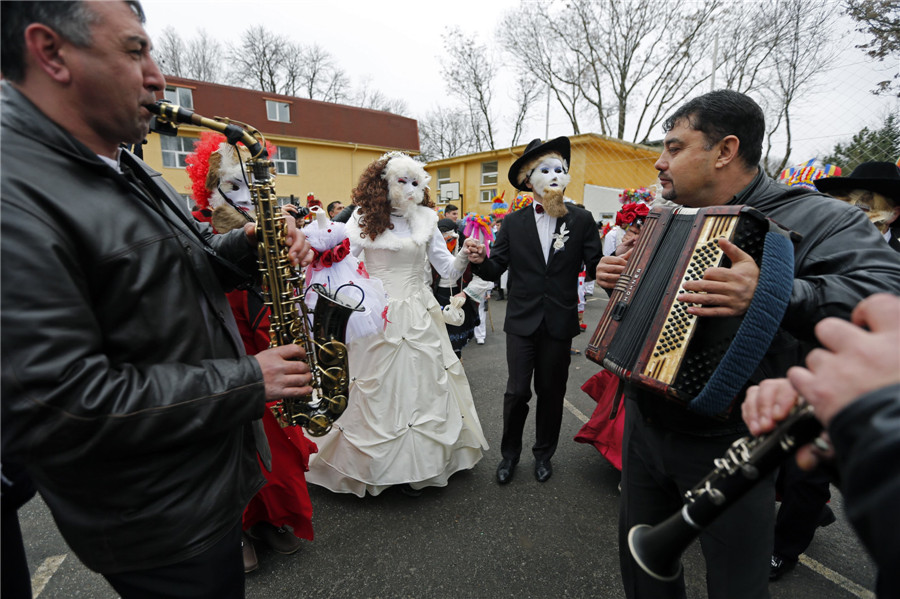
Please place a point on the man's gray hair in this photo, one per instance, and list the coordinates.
(72, 19)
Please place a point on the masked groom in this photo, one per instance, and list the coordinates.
(543, 246)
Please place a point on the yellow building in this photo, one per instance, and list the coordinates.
(601, 167)
(321, 147)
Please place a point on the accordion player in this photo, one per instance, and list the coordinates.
(646, 336)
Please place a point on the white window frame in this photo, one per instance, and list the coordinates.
(489, 177)
(278, 111)
(488, 195)
(176, 154)
(440, 179)
(284, 164)
(181, 96)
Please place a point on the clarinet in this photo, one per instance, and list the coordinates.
(658, 549)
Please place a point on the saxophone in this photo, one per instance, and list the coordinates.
(283, 286)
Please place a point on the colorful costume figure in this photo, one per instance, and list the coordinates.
(336, 269)
(223, 198)
(460, 298)
(410, 418)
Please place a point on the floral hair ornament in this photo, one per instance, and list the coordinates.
(632, 213)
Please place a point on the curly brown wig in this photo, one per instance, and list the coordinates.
(371, 197)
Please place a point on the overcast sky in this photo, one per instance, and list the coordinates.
(398, 44)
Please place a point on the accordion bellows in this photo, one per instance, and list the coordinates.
(647, 337)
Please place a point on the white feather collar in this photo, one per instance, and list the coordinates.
(422, 221)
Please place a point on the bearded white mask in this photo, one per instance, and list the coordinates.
(406, 181)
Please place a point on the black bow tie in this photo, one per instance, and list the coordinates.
(538, 208)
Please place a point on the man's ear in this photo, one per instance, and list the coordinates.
(43, 47)
(728, 150)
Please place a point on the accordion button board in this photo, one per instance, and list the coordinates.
(646, 335)
(667, 355)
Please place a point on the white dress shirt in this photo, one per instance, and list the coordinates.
(546, 226)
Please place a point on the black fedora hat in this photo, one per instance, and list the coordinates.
(560, 146)
(880, 177)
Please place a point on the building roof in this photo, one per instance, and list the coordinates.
(310, 119)
(576, 140)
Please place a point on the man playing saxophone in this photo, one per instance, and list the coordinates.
(137, 420)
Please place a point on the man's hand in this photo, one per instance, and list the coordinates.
(724, 291)
(769, 403)
(853, 361)
(299, 250)
(284, 372)
(474, 250)
(610, 268)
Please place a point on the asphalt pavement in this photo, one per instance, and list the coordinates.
(474, 538)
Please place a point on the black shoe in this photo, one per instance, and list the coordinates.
(409, 491)
(826, 518)
(543, 470)
(505, 470)
(780, 566)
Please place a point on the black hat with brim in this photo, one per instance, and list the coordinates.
(880, 177)
(560, 146)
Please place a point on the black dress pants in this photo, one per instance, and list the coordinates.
(217, 573)
(548, 359)
(658, 466)
(803, 497)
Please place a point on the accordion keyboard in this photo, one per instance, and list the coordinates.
(668, 353)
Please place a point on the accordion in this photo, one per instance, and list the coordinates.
(646, 336)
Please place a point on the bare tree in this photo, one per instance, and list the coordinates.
(204, 58)
(536, 49)
(169, 52)
(879, 19)
(616, 56)
(272, 63)
(796, 62)
(444, 133)
(470, 72)
(315, 74)
(368, 96)
(527, 91)
(258, 58)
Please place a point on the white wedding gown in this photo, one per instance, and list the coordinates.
(410, 416)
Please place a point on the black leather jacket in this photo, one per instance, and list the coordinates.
(866, 436)
(840, 260)
(125, 389)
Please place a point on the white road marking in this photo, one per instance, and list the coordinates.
(44, 573)
(845, 583)
(578, 413)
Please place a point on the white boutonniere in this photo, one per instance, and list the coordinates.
(560, 239)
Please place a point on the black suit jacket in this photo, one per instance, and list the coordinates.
(539, 290)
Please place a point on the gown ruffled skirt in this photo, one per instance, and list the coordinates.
(410, 418)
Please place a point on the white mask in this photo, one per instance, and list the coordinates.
(550, 173)
(406, 181)
(238, 192)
